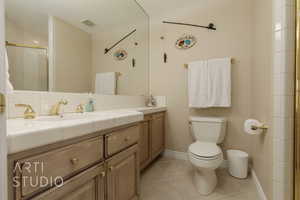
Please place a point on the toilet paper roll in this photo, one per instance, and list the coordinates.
(248, 127)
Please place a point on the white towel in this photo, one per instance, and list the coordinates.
(106, 83)
(9, 87)
(197, 83)
(210, 83)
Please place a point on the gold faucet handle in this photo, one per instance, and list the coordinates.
(79, 108)
(29, 112)
(56, 107)
(63, 102)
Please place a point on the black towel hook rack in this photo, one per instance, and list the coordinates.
(210, 26)
(113, 46)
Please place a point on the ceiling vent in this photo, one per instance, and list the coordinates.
(88, 22)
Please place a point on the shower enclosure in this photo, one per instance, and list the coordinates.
(28, 67)
(297, 110)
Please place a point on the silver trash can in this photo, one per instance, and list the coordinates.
(238, 163)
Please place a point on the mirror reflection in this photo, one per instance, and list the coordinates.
(98, 46)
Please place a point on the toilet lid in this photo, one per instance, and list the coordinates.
(205, 149)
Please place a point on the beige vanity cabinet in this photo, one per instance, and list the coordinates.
(152, 138)
(123, 175)
(157, 134)
(144, 142)
(61, 162)
(89, 185)
(119, 140)
(99, 166)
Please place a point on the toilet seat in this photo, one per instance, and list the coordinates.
(205, 151)
(205, 158)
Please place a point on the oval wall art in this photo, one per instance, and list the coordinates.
(186, 42)
(120, 54)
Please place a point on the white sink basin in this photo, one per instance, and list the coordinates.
(30, 133)
(62, 118)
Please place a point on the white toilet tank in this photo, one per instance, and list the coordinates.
(208, 129)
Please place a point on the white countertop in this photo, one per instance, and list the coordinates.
(26, 134)
(147, 110)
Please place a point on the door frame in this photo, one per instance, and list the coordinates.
(3, 145)
(297, 109)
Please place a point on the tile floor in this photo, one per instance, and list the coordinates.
(170, 179)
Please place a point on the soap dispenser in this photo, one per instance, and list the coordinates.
(90, 107)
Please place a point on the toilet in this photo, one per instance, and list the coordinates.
(205, 154)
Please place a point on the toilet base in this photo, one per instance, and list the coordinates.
(205, 181)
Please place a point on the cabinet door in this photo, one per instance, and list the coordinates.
(89, 185)
(157, 134)
(144, 144)
(123, 175)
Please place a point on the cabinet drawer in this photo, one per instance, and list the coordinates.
(56, 165)
(121, 139)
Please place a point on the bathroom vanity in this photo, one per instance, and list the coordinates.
(152, 138)
(103, 165)
(82, 155)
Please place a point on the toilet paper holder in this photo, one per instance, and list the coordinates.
(263, 127)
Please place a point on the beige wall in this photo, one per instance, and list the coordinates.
(134, 81)
(72, 55)
(261, 92)
(243, 32)
(16, 34)
(233, 38)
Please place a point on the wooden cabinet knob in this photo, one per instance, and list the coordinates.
(111, 168)
(74, 161)
(103, 174)
(127, 139)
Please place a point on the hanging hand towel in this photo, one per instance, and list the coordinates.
(197, 83)
(210, 83)
(106, 83)
(9, 87)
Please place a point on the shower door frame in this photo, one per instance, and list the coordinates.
(34, 47)
(297, 108)
(3, 130)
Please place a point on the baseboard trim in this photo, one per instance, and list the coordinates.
(259, 188)
(176, 154)
(184, 156)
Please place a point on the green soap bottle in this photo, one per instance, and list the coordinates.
(89, 107)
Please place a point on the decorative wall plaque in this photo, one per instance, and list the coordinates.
(186, 42)
(120, 54)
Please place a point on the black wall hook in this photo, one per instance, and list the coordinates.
(165, 58)
(210, 26)
(113, 46)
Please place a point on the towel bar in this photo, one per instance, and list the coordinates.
(232, 62)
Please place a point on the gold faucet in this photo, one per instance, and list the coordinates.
(29, 112)
(56, 108)
(79, 109)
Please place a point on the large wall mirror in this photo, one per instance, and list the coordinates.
(98, 46)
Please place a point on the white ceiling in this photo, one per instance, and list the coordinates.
(162, 8)
(106, 14)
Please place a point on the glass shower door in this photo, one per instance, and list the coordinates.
(297, 111)
(28, 68)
